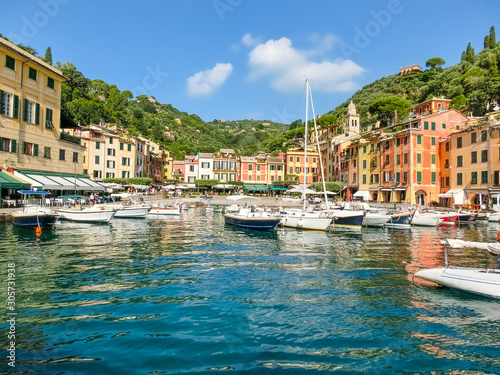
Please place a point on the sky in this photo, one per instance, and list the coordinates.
(248, 59)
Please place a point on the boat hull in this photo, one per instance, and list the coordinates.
(426, 220)
(34, 221)
(375, 220)
(165, 211)
(309, 223)
(132, 212)
(466, 218)
(400, 220)
(94, 216)
(348, 220)
(261, 223)
(473, 280)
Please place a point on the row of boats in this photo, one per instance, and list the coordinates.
(345, 217)
(123, 206)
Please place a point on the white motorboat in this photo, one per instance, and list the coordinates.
(485, 282)
(375, 219)
(426, 219)
(159, 210)
(95, 214)
(128, 207)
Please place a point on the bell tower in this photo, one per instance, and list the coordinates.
(352, 119)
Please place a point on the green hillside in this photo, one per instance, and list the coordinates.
(471, 84)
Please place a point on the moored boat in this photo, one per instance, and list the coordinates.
(347, 219)
(400, 220)
(34, 216)
(128, 207)
(158, 210)
(249, 218)
(300, 219)
(426, 219)
(88, 215)
(485, 282)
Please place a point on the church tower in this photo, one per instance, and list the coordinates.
(352, 119)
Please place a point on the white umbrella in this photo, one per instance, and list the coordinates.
(240, 197)
(304, 191)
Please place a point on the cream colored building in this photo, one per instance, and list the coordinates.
(30, 116)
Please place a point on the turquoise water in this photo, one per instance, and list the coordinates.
(189, 295)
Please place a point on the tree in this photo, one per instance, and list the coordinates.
(486, 42)
(493, 38)
(48, 56)
(386, 107)
(435, 62)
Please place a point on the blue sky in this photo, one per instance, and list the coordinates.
(237, 59)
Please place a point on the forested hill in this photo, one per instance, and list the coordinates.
(471, 84)
(89, 101)
(96, 101)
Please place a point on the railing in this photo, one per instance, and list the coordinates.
(70, 138)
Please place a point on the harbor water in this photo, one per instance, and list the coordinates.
(189, 295)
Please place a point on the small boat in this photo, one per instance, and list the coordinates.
(485, 282)
(448, 218)
(249, 218)
(158, 210)
(128, 207)
(300, 219)
(34, 216)
(400, 220)
(426, 219)
(347, 219)
(464, 217)
(95, 214)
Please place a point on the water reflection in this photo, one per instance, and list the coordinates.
(190, 294)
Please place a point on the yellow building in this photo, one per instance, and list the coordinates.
(126, 157)
(295, 165)
(30, 116)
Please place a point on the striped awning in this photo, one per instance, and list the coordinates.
(59, 181)
(255, 187)
(8, 181)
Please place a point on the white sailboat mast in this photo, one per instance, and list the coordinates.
(305, 148)
(319, 152)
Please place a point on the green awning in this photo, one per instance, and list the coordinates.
(255, 187)
(278, 187)
(7, 181)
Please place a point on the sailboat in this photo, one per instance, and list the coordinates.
(300, 218)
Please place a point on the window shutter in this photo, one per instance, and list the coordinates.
(21, 147)
(13, 147)
(1, 101)
(37, 114)
(35, 150)
(25, 110)
(15, 114)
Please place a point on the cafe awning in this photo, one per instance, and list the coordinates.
(278, 188)
(59, 181)
(8, 181)
(365, 194)
(255, 187)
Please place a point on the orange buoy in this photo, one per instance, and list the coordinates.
(102, 208)
(38, 231)
(498, 235)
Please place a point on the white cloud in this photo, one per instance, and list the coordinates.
(249, 41)
(205, 83)
(287, 66)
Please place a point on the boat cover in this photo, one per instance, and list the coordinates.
(492, 247)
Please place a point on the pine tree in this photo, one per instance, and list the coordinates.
(493, 38)
(486, 42)
(48, 56)
(469, 54)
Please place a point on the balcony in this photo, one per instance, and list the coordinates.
(70, 138)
